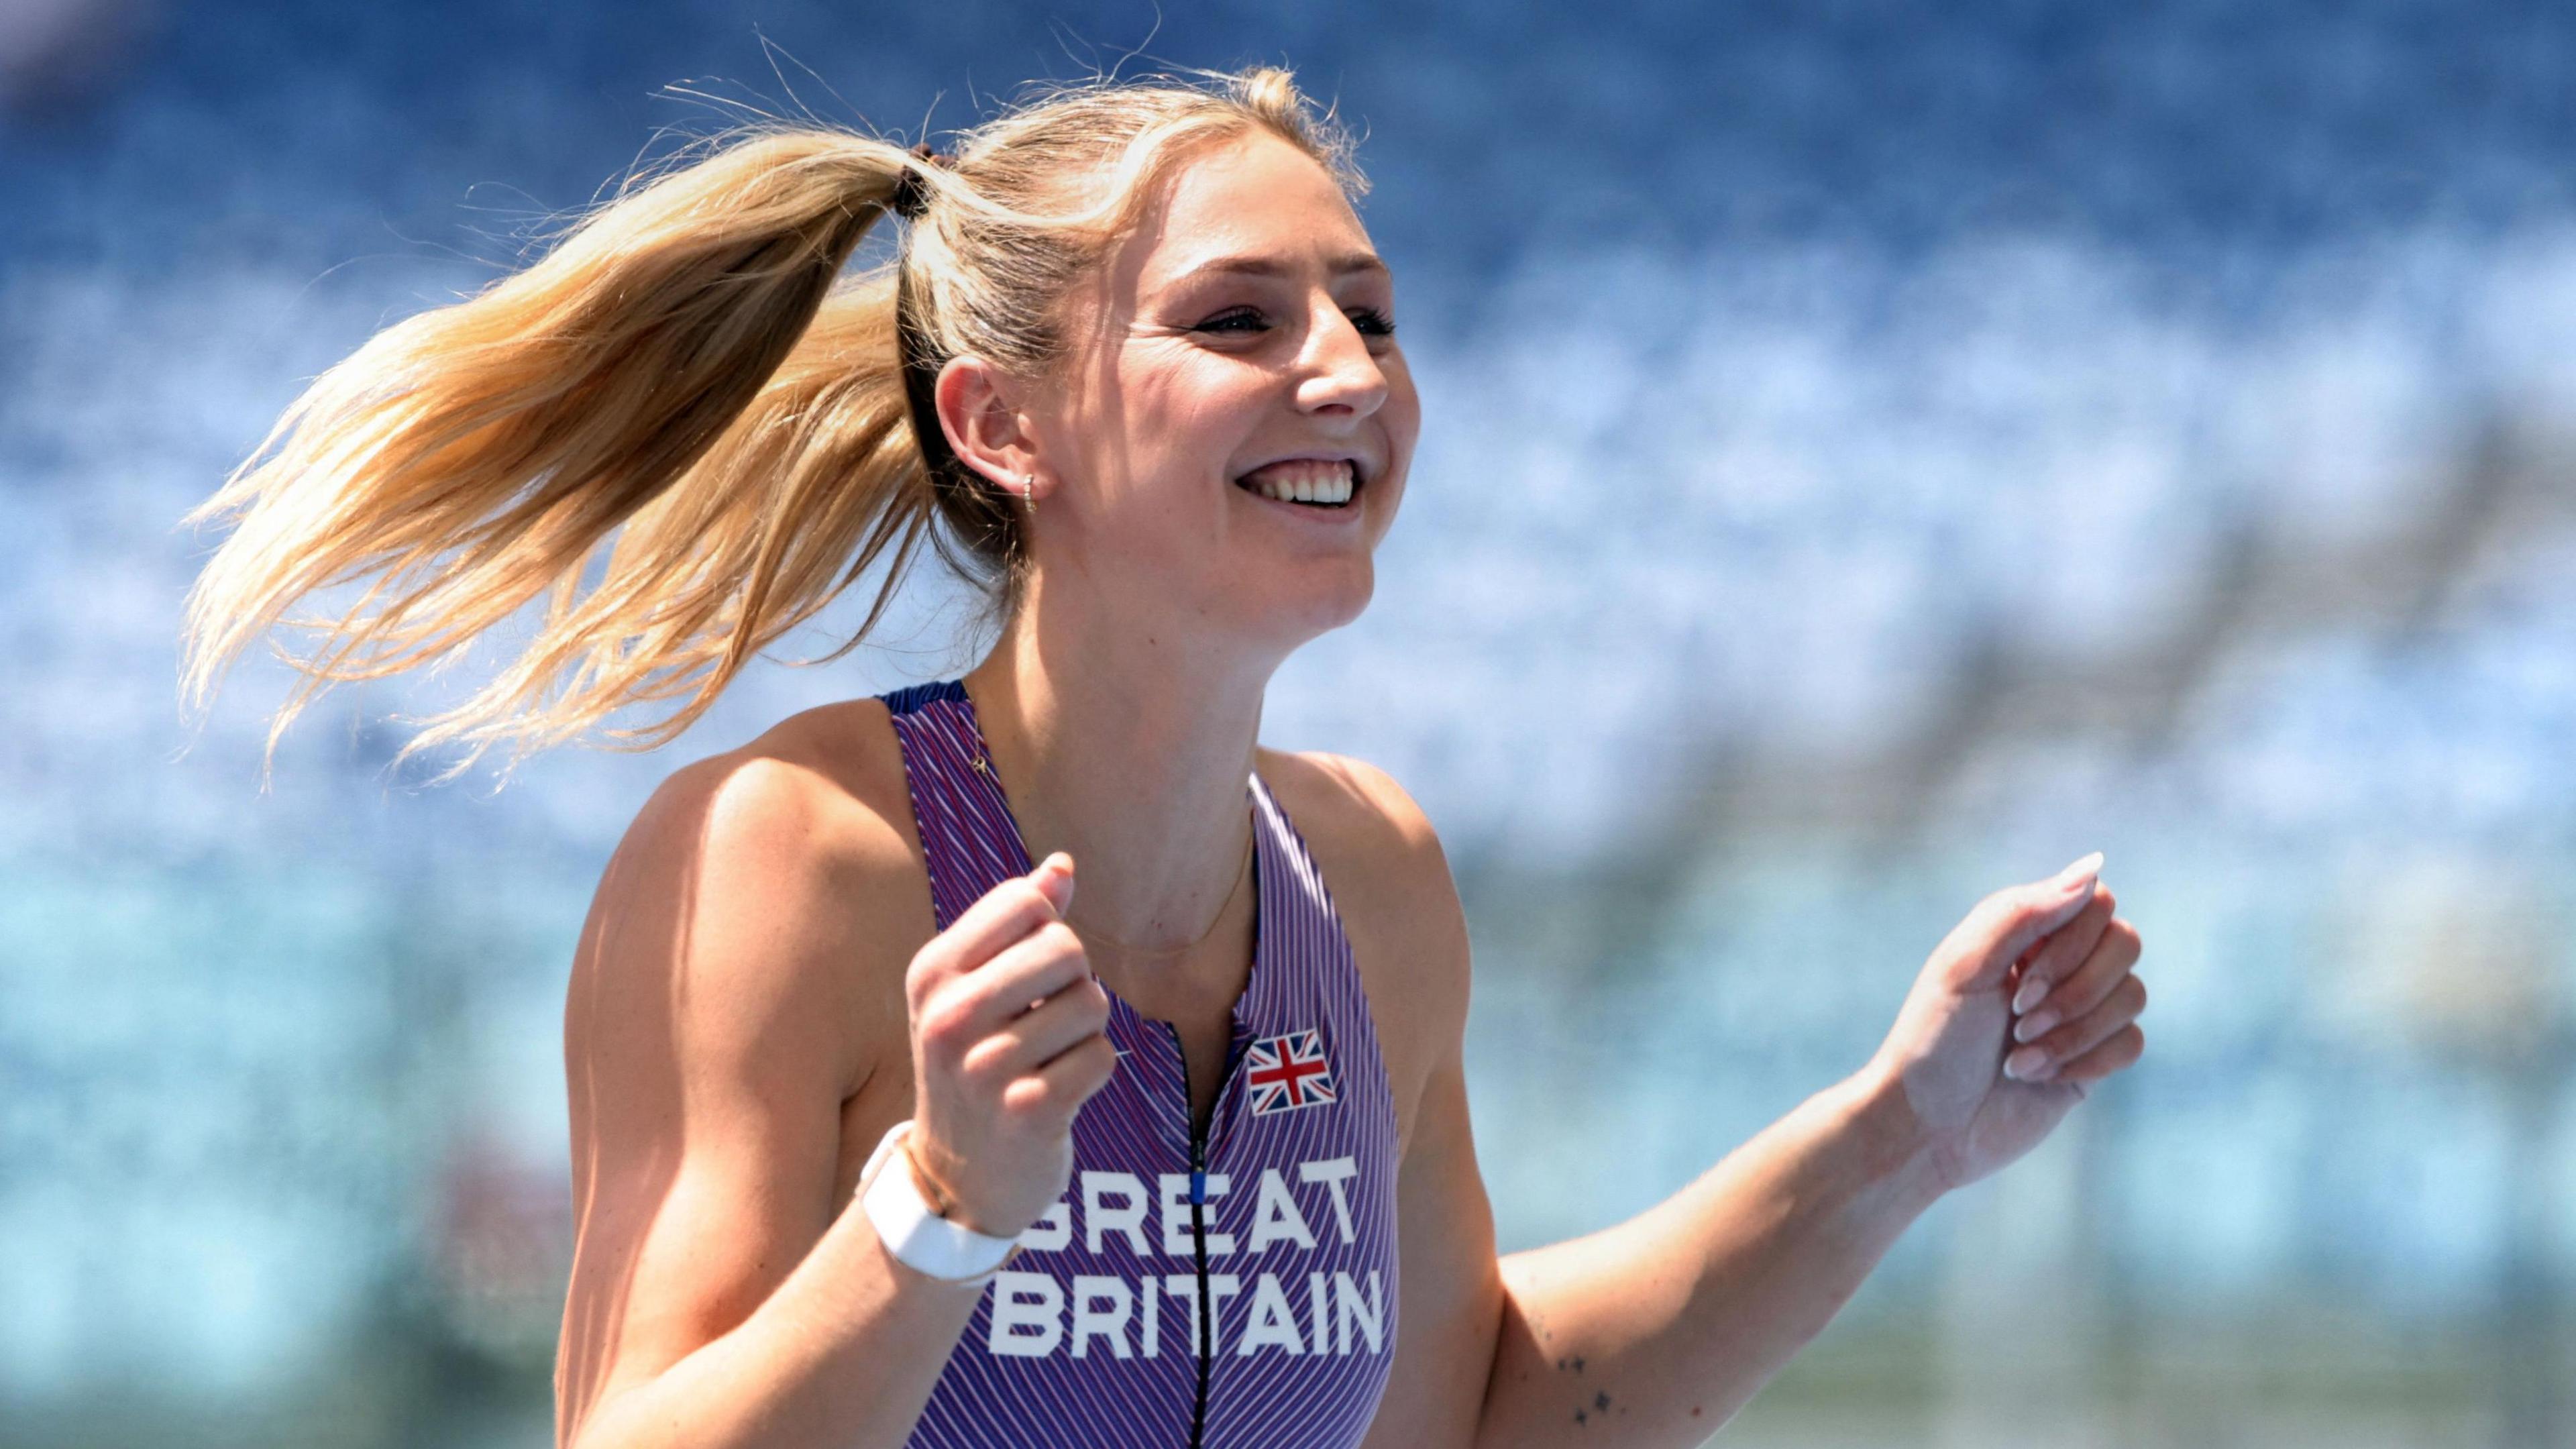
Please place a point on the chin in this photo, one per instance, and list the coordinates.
(1313, 601)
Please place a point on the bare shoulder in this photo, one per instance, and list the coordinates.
(1390, 883)
(738, 984)
(783, 873)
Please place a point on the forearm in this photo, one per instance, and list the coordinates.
(1656, 1331)
(844, 1352)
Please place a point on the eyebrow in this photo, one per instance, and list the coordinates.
(1253, 266)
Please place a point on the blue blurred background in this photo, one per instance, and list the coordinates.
(1873, 454)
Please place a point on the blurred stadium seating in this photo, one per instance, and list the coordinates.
(1873, 455)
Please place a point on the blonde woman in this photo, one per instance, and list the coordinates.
(883, 1131)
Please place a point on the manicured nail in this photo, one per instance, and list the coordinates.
(2076, 874)
(2031, 1028)
(2032, 993)
(2021, 1064)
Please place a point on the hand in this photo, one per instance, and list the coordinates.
(1007, 1044)
(2046, 963)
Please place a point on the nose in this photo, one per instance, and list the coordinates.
(1339, 375)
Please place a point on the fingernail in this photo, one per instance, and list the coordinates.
(2075, 875)
(2029, 1028)
(2021, 1064)
(1054, 878)
(2033, 992)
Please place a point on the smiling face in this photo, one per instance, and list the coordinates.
(1235, 351)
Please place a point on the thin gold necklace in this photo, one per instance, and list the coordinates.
(982, 761)
(1240, 874)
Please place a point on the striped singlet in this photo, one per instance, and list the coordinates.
(1281, 1220)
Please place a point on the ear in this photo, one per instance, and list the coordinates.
(978, 410)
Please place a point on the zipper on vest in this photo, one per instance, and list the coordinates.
(1206, 1317)
(1198, 1219)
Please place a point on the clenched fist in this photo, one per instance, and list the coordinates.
(1007, 1044)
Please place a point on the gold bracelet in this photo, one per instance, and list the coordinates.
(942, 1201)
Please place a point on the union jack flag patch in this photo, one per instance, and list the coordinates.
(1289, 1071)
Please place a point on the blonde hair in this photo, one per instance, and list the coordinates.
(687, 384)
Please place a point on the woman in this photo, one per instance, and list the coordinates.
(882, 1135)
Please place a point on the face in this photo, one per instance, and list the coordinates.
(1233, 354)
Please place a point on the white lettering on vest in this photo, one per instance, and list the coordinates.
(1026, 1300)
(1273, 1321)
(1029, 1314)
(1221, 1286)
(1099, 1218)
(1109, 1323)
(1275, 1215)
(1052, 1230)
(1349, 1310)
(1332, 1172)
(1176, 1216)
(1186, 1285)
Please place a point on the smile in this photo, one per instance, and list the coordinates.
(1313, 482)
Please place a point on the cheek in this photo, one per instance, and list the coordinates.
(1130, 442)
(1185, 431)
(1401, 418)
(1403, 412)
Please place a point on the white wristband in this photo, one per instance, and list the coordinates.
(917, 1237)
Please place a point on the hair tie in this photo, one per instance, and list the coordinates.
(910, 196)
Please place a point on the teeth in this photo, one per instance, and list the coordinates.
(1303, 480)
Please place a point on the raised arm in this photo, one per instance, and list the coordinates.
(1654, 1332)
(1657, 1330)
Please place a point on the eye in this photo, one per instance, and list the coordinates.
(1241, 321)
(1237, 320)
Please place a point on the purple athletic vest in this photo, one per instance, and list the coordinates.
(1092, 1336)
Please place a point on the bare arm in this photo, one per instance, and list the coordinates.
(720, 1293)
(844, 1352)
(724, 1291)
(1651, 1332)
(1658, 1330)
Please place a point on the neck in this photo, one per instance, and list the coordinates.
(1125, 747)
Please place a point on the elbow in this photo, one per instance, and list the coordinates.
(1510, 1343)
(594, 1421)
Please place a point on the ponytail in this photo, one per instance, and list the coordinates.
(679, 371)
(687, 373)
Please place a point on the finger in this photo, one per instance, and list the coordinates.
(1063, 1084)
(2008, 923)
(1038, 1034)
(1023, 975)
(1054, 877)
(1001, 916)
(2118, 1052)
(2060, 952)
(2113, 950)
(2075, 1038)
